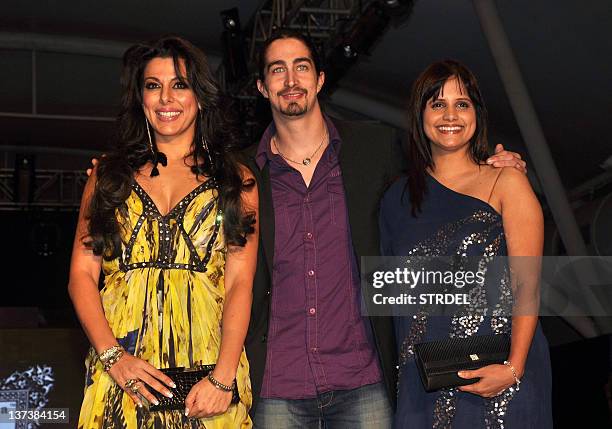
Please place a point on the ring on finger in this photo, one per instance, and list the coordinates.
(136, 386)
(132, 384)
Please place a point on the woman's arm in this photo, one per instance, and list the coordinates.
(524, 229)
(204, 399)
(83, 281)
(83, 289)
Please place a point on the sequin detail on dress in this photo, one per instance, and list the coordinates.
(469, 232)
(467, 321)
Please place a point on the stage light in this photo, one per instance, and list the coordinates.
(230, 19)
(230, 24)
(399, 10)
(349, 52)
(234, 57)
(397, 3)
(24, 178)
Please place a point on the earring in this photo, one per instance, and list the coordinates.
(204, 142)
(205, 146)
(150, 139)
(156, 157)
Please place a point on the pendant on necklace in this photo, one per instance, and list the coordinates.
(306, 161)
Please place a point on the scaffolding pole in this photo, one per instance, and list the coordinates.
(533, 135)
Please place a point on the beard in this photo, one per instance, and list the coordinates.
(294, 109)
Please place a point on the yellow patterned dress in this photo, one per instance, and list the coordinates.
(163, 299)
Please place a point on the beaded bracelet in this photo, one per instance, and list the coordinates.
(220, 385)
(516, 379)
(110, 356)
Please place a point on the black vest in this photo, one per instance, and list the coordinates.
(370, 157)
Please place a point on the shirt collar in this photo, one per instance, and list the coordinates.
(264, 150)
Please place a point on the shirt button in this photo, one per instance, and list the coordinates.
(264, 338)
(310, 273)
(308, 236)
(312, 311)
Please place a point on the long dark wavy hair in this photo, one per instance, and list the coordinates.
(428, 86)
(115, 172)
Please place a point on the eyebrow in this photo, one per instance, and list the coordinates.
(302, 60)
(458, 99)
(283, 63)
(181, 79)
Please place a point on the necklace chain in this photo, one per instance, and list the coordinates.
(305, 161)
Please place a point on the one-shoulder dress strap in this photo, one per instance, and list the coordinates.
(494, 183)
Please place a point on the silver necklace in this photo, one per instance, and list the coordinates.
(305, 161)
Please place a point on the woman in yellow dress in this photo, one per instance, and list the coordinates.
(171, 218)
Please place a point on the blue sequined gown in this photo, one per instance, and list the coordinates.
(454, 224)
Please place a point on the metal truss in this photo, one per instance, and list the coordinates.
(51, 190)
(343, 30)
(325, 21)
(322, 20)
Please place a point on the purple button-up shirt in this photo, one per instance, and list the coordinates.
(317, 339)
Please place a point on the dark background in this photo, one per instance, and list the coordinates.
(58, 106)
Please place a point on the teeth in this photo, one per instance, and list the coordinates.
(449, 129)
(168, 114)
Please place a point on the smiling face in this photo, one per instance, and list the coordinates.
(449, 118)
(291, 82)
(169, 103)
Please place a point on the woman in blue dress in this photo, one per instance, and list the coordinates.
(451, 203)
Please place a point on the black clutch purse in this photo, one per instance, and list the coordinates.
(184, 378)
(439, 361)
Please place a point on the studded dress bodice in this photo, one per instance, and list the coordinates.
(182, 239)
(163, 298)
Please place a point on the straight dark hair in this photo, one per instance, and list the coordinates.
(286, 33)
(428, 86)
(115, 172)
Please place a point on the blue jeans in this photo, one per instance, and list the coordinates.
(366, 407)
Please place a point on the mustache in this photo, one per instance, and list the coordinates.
(290, 90)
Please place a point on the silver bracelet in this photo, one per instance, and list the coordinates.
(517, 381)
(110, 356)
(220, 385)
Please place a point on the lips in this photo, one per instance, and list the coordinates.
(167, 115)
(292, 94)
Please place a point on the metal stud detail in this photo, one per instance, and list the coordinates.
(171, 231)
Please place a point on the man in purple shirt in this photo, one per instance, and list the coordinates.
(313, 358)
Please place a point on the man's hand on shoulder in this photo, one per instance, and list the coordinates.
(504, 158)
(94, 162)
